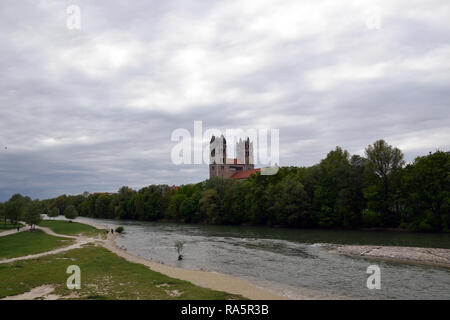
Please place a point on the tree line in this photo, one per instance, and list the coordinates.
(342, 191)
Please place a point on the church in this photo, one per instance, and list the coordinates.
(239, 168)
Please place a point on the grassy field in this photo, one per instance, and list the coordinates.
(71, 228)
(104, 275)
(29, 242)
(7, 226)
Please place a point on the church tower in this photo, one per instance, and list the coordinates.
(217, 156)
(244, 152)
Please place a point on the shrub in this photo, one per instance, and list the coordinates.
(70, 212)
(119, 229)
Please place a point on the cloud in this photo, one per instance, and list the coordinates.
(94, 109)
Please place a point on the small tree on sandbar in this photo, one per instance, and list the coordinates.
(179, 245)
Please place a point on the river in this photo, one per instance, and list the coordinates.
(290, 262)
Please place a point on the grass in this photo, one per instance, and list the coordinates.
(29, 242)
(7, 226)
(104, 275)
(72, 228)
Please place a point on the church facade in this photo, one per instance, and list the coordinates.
(238, 168)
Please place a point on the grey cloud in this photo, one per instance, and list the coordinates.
(94, 109)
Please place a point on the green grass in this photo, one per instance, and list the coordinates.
(7, 226)
(104, 275)
(71, 228)
(29, 242)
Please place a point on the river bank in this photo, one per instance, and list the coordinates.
(430, 256)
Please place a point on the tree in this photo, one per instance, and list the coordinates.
(179, 245)
(70, 212)
(384, 161)
(61, 202)
(426, 192)
(173, 210)
(102, 206)
(289, 202)
(209, 206)
(383, 166)
(32, 213)
(14, 207)
(188, 208)
(351, 202)
(53, 212)
(2, 212)
(333, 177)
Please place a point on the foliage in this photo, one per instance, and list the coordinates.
(53, 212)
(70, 212)
(342, 191)
(32, 213)
(119, 229)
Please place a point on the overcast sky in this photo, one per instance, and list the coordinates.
(94, 109)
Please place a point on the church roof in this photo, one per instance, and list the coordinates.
(244, 174)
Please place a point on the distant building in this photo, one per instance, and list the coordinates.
(238, 168)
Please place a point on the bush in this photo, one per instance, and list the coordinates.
(71, 213)
(119, 229)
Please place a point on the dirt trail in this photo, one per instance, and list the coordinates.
(78, 244)
(13, 231)
(46, 230)
(43, 292)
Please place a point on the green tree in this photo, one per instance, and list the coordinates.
(102, 206)
(53, 212)
(426, 191)
(173, 211)
(351, 202)
(2, 212)
(383, 167)
(71, 213)
(209, 206)
(14, 207)
(32, 213)
(60, 202)
(188, 208)
(289, 202)
(332, 179)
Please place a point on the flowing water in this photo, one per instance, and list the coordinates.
(288, 261)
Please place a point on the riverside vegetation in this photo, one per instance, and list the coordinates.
(342, 191)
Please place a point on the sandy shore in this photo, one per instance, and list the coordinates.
(431, 256)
